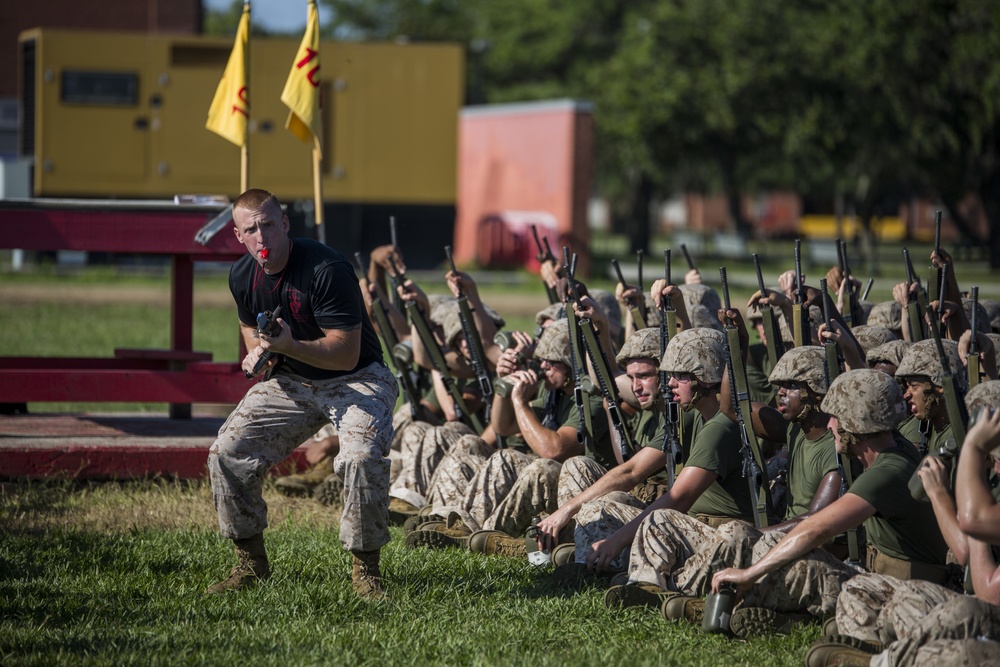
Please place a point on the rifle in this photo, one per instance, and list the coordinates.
(419, 322)
(545, 255)
(935, 284)
(638, 264)
(973, 358)
(800, 312)
(267, 324)
(832, 367)
(853, 316)
(388, 335)
(475, 342)
(868, 288)
(638, 312)
(953, 399)
(583, 386)
(754, 466)
(602, 369)
(671, 411)
(687, 256)
(914, 312)
(397, 300)
(772, 330)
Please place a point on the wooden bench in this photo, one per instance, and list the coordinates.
(178, 376)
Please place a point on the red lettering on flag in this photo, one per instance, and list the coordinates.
(314, 72)
(243, 96)
(310, 54)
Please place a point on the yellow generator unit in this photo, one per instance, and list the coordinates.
(122, 115)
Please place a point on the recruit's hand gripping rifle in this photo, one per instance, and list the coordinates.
(853, 314)
(832, 366)
(754, 466)
(426, 335)
(772, 330)
(973, 358)
(914, 307)
(602, 369)
(671, 410)
(474, 341)
(545, 255)
(800, 310)
(638, 311)
(391, 343)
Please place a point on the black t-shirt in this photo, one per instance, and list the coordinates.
(317, 290)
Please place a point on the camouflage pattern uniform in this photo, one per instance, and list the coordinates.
(512, 487)
(864, 401)
(277, 415)
(697, 351)
(685, 548)
(891, 352)
(459, 466)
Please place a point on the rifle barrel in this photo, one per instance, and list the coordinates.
(687, 256)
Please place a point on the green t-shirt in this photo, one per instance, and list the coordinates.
(759, 367)
(909, 428)
(715, 446)
(567, 414)
(901, 526)
(648, 427)
(809, 461)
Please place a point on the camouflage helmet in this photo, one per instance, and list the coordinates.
(702, 317)
(553, 344)
(652, 312)
(700, 351)
(865, 401)
(555, 311)
(452, 325)
(866, 309)
(888, 353)
(992, 312)
(441, 306)
(871, 336)
(608, 305)
(643, 344)
(922, 359)
(886, 314)
(802, 364)
(983, 321)
(703, 295)
(984, 394)
(996, 346)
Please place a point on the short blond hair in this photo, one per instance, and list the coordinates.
(255, 199)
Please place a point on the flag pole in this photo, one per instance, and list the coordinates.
(245, 148)
(318, 192)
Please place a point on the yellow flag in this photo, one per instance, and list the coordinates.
(230, 108)
(302, 91)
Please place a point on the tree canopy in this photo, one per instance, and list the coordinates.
(737, 96)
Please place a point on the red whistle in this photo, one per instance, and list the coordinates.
(264, 253)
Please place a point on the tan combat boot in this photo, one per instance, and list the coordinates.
(366, 578)
(304, 483)
(251, 566)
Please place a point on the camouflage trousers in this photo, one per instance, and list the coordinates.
(576, 475)
(963, 630)
(507, 492)
(458, 467)
(422, 447)
(276, 416)
(676, 551)
(881, 608)
(600, 519)
(810, 584)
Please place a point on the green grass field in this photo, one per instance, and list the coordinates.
(113, 574)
